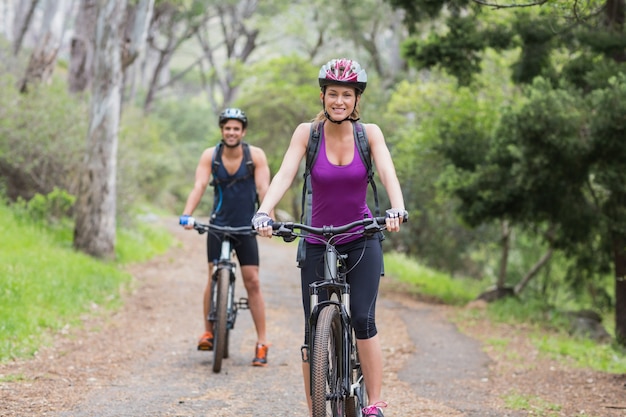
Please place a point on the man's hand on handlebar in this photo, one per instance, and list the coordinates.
(262, 222)
(186, 221)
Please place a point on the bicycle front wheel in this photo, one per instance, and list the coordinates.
(327, 395)
(220, 331)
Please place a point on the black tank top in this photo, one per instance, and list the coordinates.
(234, 201)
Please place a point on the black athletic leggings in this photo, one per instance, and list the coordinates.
(363, 277)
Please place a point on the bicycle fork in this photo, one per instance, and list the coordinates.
(348, 352)
(233, 306)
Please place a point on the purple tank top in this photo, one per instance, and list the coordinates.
(343, 195)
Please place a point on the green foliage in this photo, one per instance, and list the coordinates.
(53, 207)
(430, 284)
(417, 11)
(537, 33)
(42, 139)
(422, 118)
(552, 338)
(277, 95)
(187, 128)
(146, 170)
(143, 241)
(47, 287)
(607, 130)
(533, 166)
(458, 50)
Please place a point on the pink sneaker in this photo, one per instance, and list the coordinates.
(374, 410)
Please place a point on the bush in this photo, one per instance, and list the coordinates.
(42, 139)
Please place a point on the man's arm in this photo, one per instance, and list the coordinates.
(203, 175)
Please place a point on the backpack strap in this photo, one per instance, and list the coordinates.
(216, 161)
(364, 152)
(312, 149)
(247, 157)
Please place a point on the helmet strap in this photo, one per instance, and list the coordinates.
(334, 121)
(338, 122)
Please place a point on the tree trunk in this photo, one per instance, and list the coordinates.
(619, 259)
(82, 47)
(23, 16)
(533, 271)
(162, 64)
(136, 31)
(505, 243)
(44, 57)
(94, 232)
(615, 14)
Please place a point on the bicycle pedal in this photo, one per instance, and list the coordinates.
(243, 304)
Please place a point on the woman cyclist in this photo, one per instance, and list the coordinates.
(339, 182)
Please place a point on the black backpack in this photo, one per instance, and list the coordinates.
(312, 150)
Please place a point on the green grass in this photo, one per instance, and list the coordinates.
(430, 283)
(533, 404)
(546, 327)
(46, 286)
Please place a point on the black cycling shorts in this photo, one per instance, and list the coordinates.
(246, 248)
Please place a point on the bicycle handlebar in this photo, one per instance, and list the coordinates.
(204, 228)
(286, 230)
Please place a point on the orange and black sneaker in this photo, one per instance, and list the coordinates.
(260, 355)
(206, 341)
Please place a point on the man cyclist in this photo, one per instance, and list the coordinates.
(236, 183)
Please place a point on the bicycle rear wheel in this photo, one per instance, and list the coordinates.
(327, 394)
(220, 332)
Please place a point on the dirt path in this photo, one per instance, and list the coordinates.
(142, 361)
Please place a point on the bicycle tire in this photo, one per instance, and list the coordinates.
(358, 400)
(227, 344)
(219, 326)
(327, 396)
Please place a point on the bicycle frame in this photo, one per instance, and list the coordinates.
(224, 308)
(225, 262)
(334, 284)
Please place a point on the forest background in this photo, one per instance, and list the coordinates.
(506, 122)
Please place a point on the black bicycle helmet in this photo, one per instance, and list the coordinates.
(233, 114)
(343, 72)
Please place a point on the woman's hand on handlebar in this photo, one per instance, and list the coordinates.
(393, 218)
(262, 222)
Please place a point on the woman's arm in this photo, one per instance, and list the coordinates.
(386, 171)
(261, 171)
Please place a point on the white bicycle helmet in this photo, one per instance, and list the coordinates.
(343, 71)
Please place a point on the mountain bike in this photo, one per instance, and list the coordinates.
(337, 384)
(224, 307)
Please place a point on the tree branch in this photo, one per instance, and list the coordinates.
(496, 5)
